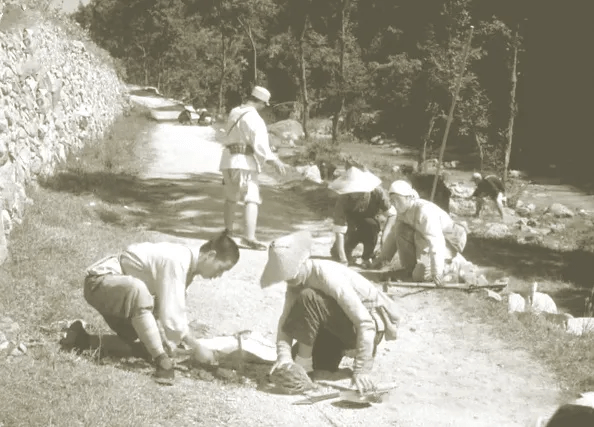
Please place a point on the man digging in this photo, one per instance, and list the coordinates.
(425, 237)
(141, 294)
(329, 309)
(246, 150)
(489, 187)
(356, 215)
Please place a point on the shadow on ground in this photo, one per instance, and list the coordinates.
(189, 207)
(537, 263)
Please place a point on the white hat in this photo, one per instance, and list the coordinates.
(262, 94)
(285, 256)
(402, 188)
(477, 176)
(354, 180)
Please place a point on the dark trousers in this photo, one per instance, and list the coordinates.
(317, 320)
(362, 230)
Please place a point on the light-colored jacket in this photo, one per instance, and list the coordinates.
(250, 130)
(355, 295)
(166, 269)
(429, 222)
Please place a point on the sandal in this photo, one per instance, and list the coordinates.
(253, 244)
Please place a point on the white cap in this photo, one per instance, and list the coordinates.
(477, 176)
(262, 94)
(402, 188)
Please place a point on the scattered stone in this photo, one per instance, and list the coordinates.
(493, 295)
(310, 172)
(516, 303)
(580, 325)
(497, 231)
(559, 211)
(525, 210)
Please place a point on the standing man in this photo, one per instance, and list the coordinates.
(141, 294)
(246, 150)
(490, 187)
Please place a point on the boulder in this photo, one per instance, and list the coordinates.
(559, 210)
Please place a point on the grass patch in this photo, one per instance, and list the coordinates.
(569, 357)
(61, 234)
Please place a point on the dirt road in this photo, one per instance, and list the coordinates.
(449, 373)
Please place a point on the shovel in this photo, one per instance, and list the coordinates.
(349, 395)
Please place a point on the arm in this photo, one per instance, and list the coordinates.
(386, 206)
(284, 342)
(258, 134)
(340, 227)
(429, 223)
(171, 295)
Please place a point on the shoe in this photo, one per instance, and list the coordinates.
(253, 244)
(164, 373)
(76, 338)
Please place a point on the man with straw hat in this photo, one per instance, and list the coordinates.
(246, 150)
(329, 309)
(356, 214)
(424, 236)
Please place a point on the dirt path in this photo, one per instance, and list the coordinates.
(450, 373)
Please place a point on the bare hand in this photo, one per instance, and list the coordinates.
(363, 383)
(281, 168)
(438, 280)
(203, 355)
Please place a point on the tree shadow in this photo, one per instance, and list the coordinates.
(190, 206)
(537, 263)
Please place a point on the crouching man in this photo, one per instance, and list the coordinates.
(360, 202)
(141, 294)
(329, 309)
(424, 236)
(489, 187)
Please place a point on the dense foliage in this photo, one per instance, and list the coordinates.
(375, 66)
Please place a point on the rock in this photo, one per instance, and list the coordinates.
(555, 228)
(516, 303)
(288, 130)
(525, 210)
(497, 231)
(493, 295)
(462, 207)
(559, 211)
(310, 172)
(580, 325)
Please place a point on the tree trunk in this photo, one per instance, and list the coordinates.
(513, 107)
(481, 150)
(341, 77)
(303, 80)
(423, 156)
(223, 72)
(248, 31)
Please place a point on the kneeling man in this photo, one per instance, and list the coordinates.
(329, 309)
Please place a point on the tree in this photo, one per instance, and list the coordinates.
(513, 107)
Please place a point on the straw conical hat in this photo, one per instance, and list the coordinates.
(354, 180)
(285, 256)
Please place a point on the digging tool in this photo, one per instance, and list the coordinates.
(349, 395)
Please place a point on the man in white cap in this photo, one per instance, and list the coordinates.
(356, 214)
(490, 187)
(424, 236)
(329, 309)
(246, 150)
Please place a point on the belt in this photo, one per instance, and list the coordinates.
(240, 149)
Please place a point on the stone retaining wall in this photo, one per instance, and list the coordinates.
(56, 95)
